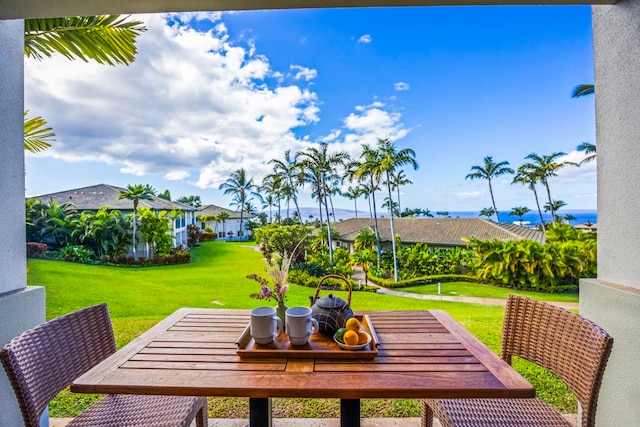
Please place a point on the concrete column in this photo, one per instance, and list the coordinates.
(613, 301)
(20, 307)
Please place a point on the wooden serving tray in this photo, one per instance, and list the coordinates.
(319, 346)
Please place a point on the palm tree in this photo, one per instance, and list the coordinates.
(397, 180)
(530, 177)
(362, 171)
(222, 217)
(488, 212)
(319, 167)
(590, 150)
(365, 239)
(488, 171)
(555, 206)
(545, 167)
(352, 193)
(269, 202)
(272, 184)
(519, 211)
(289, 170)
(242, 189)
(136, 193)
(569, 218)
(442, 213)
(388, 160)
(105, 39)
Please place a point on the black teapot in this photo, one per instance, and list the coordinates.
(331, 312)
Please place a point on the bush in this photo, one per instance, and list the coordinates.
(424, 280)
(35, 249)
(72, 253)
(207, 237)
(313, 269)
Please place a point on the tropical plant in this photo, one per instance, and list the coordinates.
(388, 159)
(319, 169)
(555, 206)
(529, 175)
(105, 231)
(281, 239)
(365, 239)
(156, 229)
(397, 180)
(135, 193)
(443, 213)
(290, 171)
(242, 188)
(363, 258)
(590, 150)
(222, 217)
(352, 193)
(488, 212)
(37, 136)
(519, 211)
(583, 90)
(104, 39)
(50, 223)
(544, 167)
(488, 171)
(194, 201)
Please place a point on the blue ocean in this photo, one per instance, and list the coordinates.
(533, 218)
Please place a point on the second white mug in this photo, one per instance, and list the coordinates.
(300, 325)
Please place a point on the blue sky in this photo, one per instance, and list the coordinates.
(210, 93)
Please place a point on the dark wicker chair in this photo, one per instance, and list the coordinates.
(566, 344)
(44, 360)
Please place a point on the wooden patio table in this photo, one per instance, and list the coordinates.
(421, 354)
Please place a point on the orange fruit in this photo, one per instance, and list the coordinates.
(363, 337)
(353, 324)
(350, 338)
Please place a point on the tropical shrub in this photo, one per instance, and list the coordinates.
(555, 266)
(50, 223)
(194, 234)
(35, 249)
(105, 232)
(73, 253)
(281, 239)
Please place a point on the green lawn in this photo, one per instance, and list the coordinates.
(139, 297)
(464, 289)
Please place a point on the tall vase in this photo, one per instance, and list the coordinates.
(281, 311)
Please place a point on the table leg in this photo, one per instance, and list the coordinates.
(260, 412)
(349, 412)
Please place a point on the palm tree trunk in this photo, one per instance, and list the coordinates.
(355, 205)
(494, 202)
(535, 193)
(375, 221)
(399, 207)
(553, 212)
(393, 234)
(326, 207)
(135, 221)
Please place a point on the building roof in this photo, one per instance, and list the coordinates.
(97, 196)
(215, 210)
(437, 231)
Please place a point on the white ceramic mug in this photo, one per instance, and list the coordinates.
(265, 325)
(300, 325)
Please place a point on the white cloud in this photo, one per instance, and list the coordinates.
(304, 73)
(572, 174)
(469, 195)
(365, 38)
(401, 86)
(194, 105)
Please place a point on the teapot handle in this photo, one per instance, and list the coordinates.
(332, 276)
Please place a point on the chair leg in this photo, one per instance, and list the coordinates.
(201, 418)
(427, 415)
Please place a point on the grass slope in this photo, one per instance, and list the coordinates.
(140, 297)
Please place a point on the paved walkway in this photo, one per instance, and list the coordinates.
(359, 276)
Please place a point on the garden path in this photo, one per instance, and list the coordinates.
(359, 276)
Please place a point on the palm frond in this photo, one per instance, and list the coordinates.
(106, 39)
(37, 137)
(583, 90)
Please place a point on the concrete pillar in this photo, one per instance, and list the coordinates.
(613, 301)
(20, 307)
